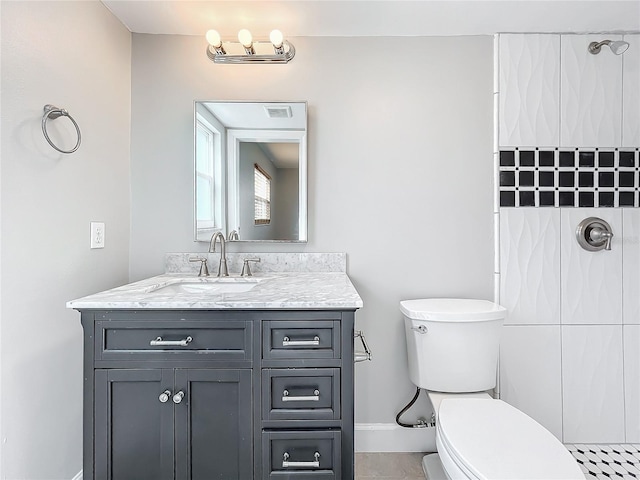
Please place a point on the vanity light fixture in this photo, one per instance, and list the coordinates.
(618, 47)
(246, 50)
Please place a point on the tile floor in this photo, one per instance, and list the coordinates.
(389, 466)
(608, 462)
(598, 462)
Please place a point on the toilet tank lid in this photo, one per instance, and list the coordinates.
(452, 309)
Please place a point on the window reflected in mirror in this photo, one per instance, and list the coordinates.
(262, 196)
(208, 165)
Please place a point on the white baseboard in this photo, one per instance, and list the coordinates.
(78, 476)
(390, 437)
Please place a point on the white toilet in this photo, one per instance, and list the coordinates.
(452, 347)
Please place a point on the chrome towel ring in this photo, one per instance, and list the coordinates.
(53, 112)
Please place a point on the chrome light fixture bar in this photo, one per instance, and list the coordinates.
(246, 50)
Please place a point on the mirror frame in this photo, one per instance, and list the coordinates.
(234, 137)
(230, 162)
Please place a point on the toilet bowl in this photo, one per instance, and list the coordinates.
(489, 439)
(452, 347)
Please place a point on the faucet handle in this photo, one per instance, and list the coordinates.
(594, 234)
(246, 269)
(204, 268)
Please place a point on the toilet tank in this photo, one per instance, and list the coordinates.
(453, 343)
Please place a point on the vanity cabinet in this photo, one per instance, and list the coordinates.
(218, 394)
(143, 434)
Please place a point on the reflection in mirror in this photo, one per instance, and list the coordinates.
(250, 171)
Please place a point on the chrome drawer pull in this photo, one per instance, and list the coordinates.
(304, 398)
(286, 463)
(287, 342)
(170, 343)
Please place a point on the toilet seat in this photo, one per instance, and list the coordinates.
(486, 439)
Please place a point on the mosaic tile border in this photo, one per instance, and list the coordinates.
(561, 177)
(605, 462)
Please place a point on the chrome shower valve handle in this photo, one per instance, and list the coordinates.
(594, 234)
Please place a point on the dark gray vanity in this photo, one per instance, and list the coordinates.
(197, 392)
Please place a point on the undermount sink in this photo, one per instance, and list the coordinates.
(206, 286)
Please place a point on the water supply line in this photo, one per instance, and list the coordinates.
(422, 422)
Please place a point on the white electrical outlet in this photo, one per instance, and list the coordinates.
(97, 234)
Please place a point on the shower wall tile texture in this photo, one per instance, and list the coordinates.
(532, 74)
(568, 148)
(591, 282)
(631, 346)
(592, 383)
(547, 177)
(554, 93)
(531, 374)
(631, 96)
(570, 356)
(591, 93)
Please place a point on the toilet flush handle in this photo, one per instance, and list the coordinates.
(420, 329)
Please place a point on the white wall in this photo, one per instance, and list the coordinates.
(286, 203)
(250, 154)
(400, 170)
(75, 55)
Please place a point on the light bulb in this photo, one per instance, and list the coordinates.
(213, 37)
(276, 38)
(245, 38)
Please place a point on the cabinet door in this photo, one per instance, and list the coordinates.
(529, 90)
(631, 93)
(591, 98)
(133, 428)
(214, 425)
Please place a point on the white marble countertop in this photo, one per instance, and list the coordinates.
(296, 290)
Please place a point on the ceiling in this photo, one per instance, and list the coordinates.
(255, 115)
(376, 17)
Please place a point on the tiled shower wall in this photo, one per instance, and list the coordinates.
(570, 352)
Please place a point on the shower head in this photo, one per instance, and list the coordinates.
(618, 47)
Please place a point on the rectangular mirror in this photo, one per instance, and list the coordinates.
(250, 171)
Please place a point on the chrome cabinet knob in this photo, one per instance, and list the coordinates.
(177, 398)
(164, 396)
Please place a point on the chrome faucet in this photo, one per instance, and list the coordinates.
(222, 268)
(233, 235)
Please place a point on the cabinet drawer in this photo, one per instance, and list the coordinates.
(308, 393)
(301, 454)
(186, 340)
(301, 339)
